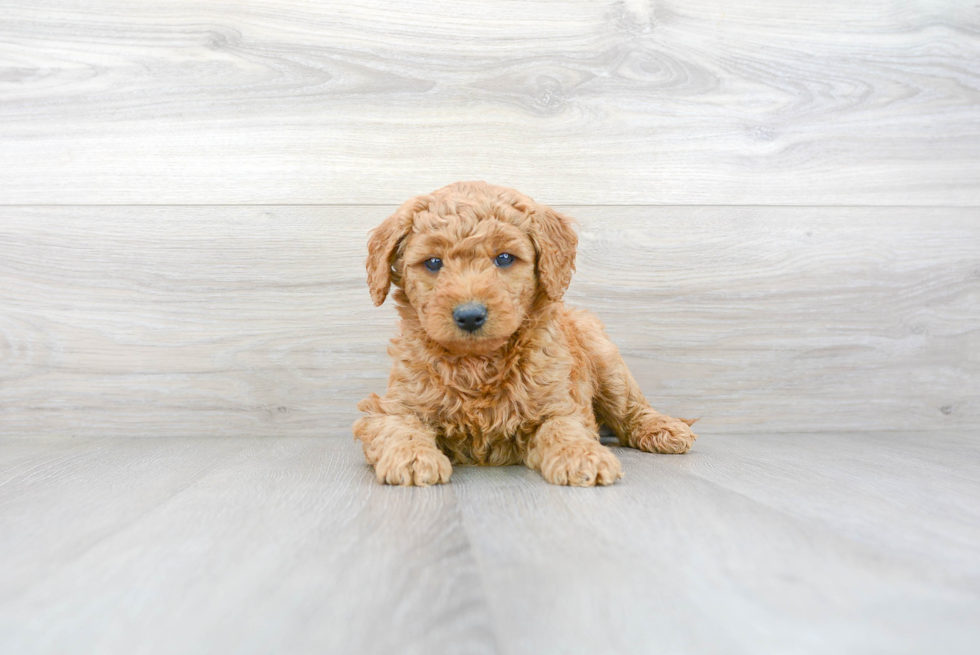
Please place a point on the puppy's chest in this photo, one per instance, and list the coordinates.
(494, 434)
(489, 408)
(487, 423)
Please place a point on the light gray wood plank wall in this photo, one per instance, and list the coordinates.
(196, 321)
(580, 102)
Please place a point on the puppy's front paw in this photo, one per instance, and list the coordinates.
(580, 463)
(656, 433)
(411, 463)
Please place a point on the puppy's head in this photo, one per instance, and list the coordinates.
(472, 259)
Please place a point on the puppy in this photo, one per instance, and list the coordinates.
(490, 367)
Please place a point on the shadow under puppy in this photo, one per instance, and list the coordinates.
(490, 367)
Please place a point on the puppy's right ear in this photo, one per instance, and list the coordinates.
(383, 246)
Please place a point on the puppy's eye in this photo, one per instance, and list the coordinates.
(503, 260)
(433, 264)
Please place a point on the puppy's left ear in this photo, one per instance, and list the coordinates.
(383, 246)
(555, 242)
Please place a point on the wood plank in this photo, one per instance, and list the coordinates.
(667, 561)
(580, 102)
(198, 321)
(909, 494)
(50, 489)
(766, 543)
(229, 545)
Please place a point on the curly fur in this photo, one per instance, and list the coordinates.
(532, 385)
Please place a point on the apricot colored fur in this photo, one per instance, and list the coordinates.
(532, 385)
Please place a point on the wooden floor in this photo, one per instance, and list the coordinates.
(769, 543)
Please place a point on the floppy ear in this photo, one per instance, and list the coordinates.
(383, 246)
(555, 242)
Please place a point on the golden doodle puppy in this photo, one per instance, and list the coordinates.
(490, 367)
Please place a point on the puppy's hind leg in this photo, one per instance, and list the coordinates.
(620, 404)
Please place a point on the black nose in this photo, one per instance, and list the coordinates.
(470, 316)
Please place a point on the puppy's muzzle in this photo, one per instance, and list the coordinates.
(470, 317)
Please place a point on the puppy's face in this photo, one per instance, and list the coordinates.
(470, 281)
(472, 259)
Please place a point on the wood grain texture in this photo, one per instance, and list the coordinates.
(587, 102)
(765, 543)
(784, 556)
(196, 321)
(914, 498)
(230, 546)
